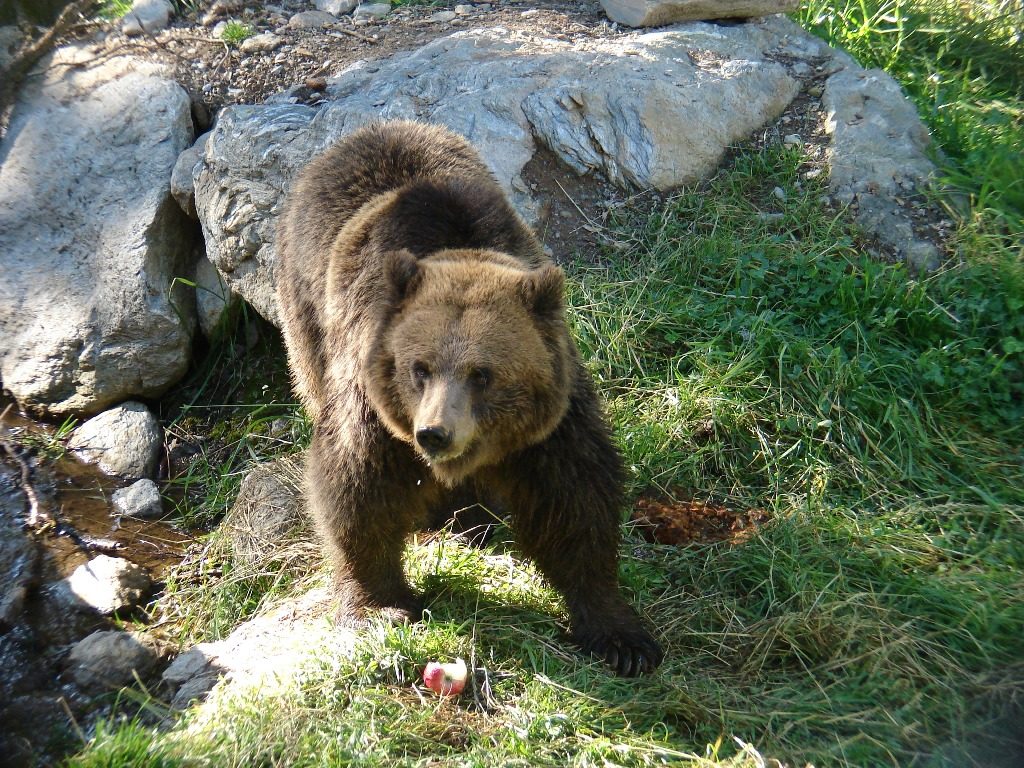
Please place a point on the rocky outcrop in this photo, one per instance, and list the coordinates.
(653, 110)
(123, 441)
(90, 237)
(655, 13)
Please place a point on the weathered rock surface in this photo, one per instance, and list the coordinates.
(655, 13)
(267, 510)
(106, 585)
(111, 659)
(878, 153)
(90, 238)
(261, 651)
(147, 17)
(141, 500)
(123, 441)
(642, 111)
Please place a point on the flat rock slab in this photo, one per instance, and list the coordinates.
(654, 110)
(656, 13)
(263, 651)
(90, 237)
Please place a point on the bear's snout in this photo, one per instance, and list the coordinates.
(434, 439)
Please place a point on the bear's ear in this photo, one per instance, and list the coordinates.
(542, 290)
(403, 271)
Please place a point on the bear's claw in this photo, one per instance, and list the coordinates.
(629, 652)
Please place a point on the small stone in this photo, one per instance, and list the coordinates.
(779, 193)
(220, 8)
(528, 13)
(793, 140)
(311, 20)
(146, 17)
(267, 41)
(107, 584)
(464, 10)
(111, 659)
(369, 11)
(141, 500)
(218, 29)
(335, 7)
(124, 441)
(815, 91)
(442, 17)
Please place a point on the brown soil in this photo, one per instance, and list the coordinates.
(668, 521)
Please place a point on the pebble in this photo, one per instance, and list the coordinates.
(311, 20)
(793, 140)
(371, 11)
(464, 10)
(780, 194)
(443, 17)
(140, 500)
(266, 41)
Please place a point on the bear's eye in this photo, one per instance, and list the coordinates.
(420, 372)
(479, 379)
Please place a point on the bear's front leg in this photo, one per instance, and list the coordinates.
(565, 495)
(363, 512)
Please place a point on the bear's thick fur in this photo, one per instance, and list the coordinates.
(426, 337)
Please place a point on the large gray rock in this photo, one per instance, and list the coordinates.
(90, 238)
(123, 441)
(640, 110)
(878, 154)
(267, 513)
(654, 13)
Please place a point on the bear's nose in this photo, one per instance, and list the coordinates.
(433, 439)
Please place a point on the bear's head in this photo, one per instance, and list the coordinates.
(474, 362)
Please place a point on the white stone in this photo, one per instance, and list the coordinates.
(140, 500)
(655, 13)
(336, 7)
(147, 17)
(108, 584)
(311, 20)
(265, 41)
(124, 441)
(369, 11)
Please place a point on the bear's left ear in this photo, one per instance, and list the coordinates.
(542, 289)
(403, 271)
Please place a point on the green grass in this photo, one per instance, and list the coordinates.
(235, 33)
(765, 361)
(112, 10)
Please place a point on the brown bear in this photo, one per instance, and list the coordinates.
(426, 337)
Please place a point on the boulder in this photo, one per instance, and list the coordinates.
(140, 500)
(123, 441)
(90, 237)
(642, 111)
(655, 13)
(112, 659)
(106, 585)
